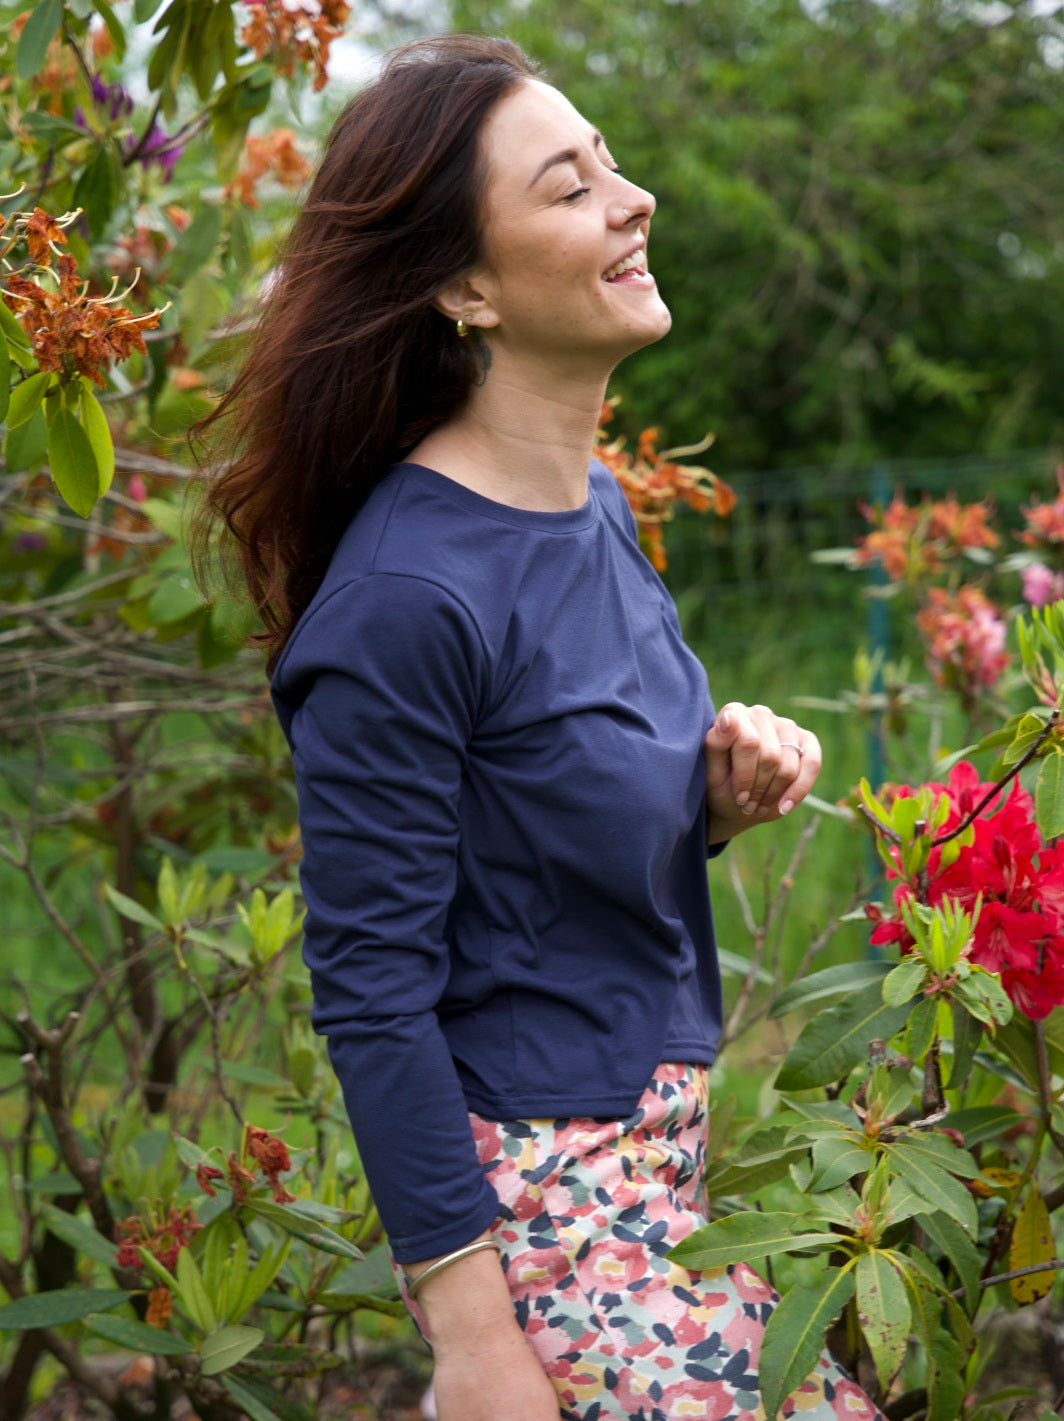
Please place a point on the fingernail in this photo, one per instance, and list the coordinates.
(742, 797)
(725, 720)
(749, 808)
(786, 806)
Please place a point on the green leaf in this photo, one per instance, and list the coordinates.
(53, 1309)
(883, 1311)
(831, 982)
(94, 423)
(192, 1294)
(26, 446)
(933, 1184)
(920, 1028)
(97, 189)
(742, 1238)
(764, 1157)
(904, 981)
(958, 1249)
(10, 328)
(73, 463)
(144, 9)
(131, 909)
(40, 29)
(837, 1159)
(227, 1346)
(80, 1235)
(967, 1037)
(5, 377)
(261, 1276)
(316, 1234)
(794, 1336)
(980, 1123)
(837, 1039)
(1049, 796)
(26, 398)
(138, 1336)
(941, 1150)
(248, 1402)
(197, 243)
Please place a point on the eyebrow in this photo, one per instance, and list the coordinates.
(567, 155)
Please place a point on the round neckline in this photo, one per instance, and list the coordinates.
(564, 521)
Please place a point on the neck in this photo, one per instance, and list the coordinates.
(522, 441)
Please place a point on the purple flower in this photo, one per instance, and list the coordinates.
(159, 148)
(111, 97)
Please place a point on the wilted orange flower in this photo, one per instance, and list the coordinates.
(163, 1237)
(160, 1307)
(296, 32)
(272, 1157)
(275, 153)
(71, 333)
(654, 484)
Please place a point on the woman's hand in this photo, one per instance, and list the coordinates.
(759, 765)
(484, 1368)
(486, 1380)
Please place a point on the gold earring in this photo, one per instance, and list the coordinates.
(461, 327)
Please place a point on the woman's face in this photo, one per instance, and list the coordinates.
(565, 272)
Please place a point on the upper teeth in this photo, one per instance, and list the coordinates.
(637, 259)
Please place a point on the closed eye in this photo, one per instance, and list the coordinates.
(572, 196)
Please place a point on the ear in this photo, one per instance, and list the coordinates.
(465, 299)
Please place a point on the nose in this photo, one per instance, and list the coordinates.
(633, 205)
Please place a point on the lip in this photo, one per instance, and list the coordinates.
(638, 247)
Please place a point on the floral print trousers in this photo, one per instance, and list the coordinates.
(588, 1211)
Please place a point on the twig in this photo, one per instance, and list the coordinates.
(1047, 730)
(1051, 1265)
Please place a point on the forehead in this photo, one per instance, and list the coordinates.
(527, 126)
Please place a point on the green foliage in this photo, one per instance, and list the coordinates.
(858, 266)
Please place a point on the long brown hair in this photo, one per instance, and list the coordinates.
(351, 364)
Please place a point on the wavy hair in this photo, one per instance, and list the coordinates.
(351, 365)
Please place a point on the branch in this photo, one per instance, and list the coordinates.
(1051, 1265)
(1050, 726)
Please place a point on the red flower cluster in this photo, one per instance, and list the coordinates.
(1020, 930)
(163, 1238)
(916, 542)
(260, 1152)
(966, 640)
(653, 484)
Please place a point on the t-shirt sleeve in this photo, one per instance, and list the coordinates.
(378, 694)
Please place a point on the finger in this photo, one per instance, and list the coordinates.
(809, 769)
(754, 755)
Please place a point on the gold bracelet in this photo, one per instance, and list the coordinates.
(413, 1285)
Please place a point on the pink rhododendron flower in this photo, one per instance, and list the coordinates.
(1041, 585)
(966, 640)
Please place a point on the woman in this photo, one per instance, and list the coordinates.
(509, 769)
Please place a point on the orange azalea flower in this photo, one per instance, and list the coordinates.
(296, 33)
(275, 153)
(654, 484)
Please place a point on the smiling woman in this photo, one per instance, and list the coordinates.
(510, 770)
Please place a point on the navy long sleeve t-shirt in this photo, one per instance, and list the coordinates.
(498, 742)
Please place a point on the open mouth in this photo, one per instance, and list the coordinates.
(636, 261)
